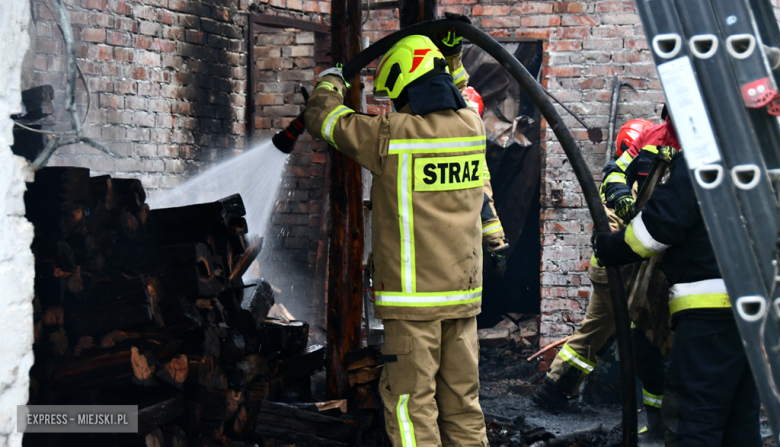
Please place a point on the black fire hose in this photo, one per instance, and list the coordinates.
(578, 164)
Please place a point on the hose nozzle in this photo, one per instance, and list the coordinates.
(285, 139)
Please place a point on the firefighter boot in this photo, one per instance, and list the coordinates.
(550, 397)
(653, 434)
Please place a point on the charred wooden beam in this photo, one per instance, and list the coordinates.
(416, 11)
(160, 413)
(365, 375)
(299, 366)
(286, 22)
(362, 358)
(277, 419)
(330, 408)
(346, 216)
(287, 338)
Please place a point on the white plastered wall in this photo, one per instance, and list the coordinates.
(17, 269)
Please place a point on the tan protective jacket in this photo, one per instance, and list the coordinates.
(429, 183)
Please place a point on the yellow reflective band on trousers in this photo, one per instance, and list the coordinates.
(652, 400)
(576, 360)
(434, 145)
(330, 123)
(405, 422)
(448, 173)
(706, 294)
(491, 228)
(428, 299)
(639, 239)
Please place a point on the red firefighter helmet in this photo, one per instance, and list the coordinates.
(476, 98)
(629, 132)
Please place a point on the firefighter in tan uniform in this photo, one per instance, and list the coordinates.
(429, 188)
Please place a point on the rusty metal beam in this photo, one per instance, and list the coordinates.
(287, 22)
(345, 266)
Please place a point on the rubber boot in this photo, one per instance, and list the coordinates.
(653, 434)
(550, 397)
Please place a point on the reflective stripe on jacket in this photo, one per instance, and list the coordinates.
(429, 184)
(671, 222)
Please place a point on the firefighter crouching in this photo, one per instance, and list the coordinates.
(710, 397)
(428, 191)
(637, 144)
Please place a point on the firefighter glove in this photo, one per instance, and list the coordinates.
(625, 207)
(450, 43)
(498, 261)
(334, 71)
(667, 152)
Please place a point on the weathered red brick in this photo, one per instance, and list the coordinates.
(579, 20)
(93, 35)
(615, 7)
(540, 21)
(565, 45)
(500, 22)
(491, 10)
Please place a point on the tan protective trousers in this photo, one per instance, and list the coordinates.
(599, 324)
(430, 383)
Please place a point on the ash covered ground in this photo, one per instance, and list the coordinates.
(507, 381)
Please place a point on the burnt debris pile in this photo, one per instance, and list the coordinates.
(144, 307)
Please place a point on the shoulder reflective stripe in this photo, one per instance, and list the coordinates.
(401, 299)
(325, 84)
(638, 238)
(405, 219)
(492, 228)
(576, 360)
(423, 146)
(653, 400)
(709, 293)
(615, 177)
(458, 74)
(448, 173)
(330, 123)
(405, 422)
(650, 148)
(624, 161)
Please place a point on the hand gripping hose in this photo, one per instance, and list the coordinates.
(581, 169)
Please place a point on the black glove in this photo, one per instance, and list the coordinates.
(625, 207)
(497, 261)
(450, 43)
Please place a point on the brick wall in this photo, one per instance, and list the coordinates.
(168, 83)
(585, 44)
(285, 61)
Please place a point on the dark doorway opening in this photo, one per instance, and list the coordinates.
(513, 126)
